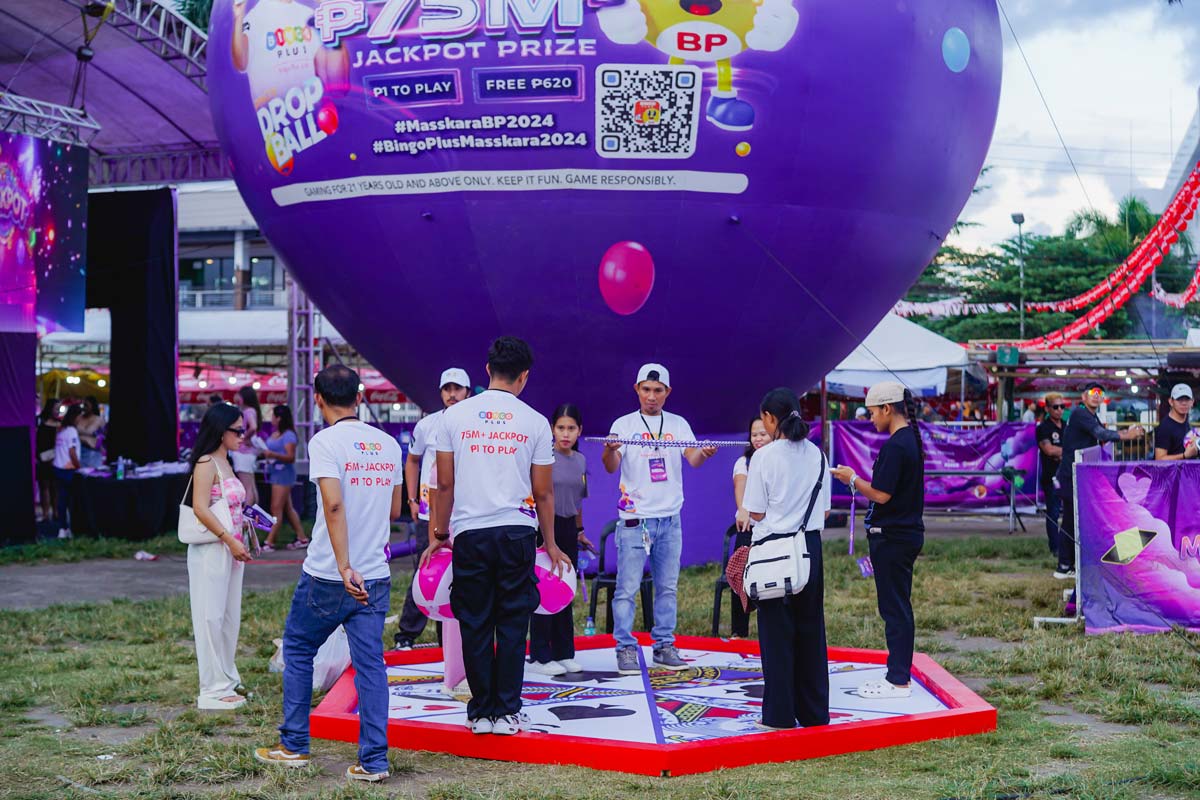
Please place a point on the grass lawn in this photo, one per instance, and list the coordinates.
(97, 701)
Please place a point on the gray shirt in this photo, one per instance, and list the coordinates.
(570, 483)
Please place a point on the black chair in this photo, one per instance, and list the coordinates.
(608, 581)
(722, 583)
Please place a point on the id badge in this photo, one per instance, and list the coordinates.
(658, 470)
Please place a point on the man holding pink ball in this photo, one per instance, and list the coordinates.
(494, 461)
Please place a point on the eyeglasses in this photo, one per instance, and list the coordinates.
(1057, 407)
(238, 431)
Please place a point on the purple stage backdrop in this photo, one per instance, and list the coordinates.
(1139, 545)
(43, 236)
(991, 449)
(617, 181)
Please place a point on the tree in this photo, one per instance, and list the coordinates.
(196, 12)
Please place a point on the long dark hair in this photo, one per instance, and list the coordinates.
(217, 420)
(250, 400)
(284, 415)
(784, 405)
(909, 407)
(568, 410)
(72, 416)
(49, 411)
(749, 454)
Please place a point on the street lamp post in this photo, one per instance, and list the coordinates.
(1019, 219)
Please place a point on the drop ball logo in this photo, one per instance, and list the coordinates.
(289, 124)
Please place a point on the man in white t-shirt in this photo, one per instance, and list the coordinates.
(455, 386)
(494, 459)
(651, 499)
(345, 579)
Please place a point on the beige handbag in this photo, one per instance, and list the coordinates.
(191, 530)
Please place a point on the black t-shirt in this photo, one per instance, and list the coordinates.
(1171, 436)
(899, 471)
(1047, 431)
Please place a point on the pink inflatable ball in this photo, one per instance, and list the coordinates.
(431, 586)
(556, 591)
(626, 277)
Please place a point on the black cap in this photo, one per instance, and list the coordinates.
(1094, 385)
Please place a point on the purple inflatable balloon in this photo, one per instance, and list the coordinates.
(789, 166)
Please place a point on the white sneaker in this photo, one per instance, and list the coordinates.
(571, 665)
(64, 533)
(481, 725)
(510, 725)
(549, 668)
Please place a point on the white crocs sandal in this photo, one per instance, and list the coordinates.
(882, 690)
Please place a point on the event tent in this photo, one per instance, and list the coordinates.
(903, 351)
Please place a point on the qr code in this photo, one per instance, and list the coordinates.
(646, 111)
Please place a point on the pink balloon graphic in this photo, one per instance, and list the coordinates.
(555, 592)
(431, 587)
(626, 277)
(327, 118)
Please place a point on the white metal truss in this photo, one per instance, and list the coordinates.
(163, 31)
(46, 120)
(167, 165)
(304, 357)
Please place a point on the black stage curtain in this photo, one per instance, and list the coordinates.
(132, 271)
(18, 397)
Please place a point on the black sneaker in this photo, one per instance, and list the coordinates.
(403, 642)
(667, 657)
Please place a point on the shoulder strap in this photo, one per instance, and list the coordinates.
(816, 492)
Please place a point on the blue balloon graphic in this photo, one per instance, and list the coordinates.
(956, 49)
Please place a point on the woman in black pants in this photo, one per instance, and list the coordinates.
(787, 492)
(895, 528)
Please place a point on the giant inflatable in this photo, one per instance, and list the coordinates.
(738, 189)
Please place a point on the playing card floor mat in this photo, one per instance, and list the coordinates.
(662, 722)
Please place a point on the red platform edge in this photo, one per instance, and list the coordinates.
(966, 714)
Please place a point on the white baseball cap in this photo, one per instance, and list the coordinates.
(455, 375)
(881, 394)
(1181, 390)
(654, 372)
(860, 413)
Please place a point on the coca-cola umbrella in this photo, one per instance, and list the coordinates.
(198, 381)
(376, 388)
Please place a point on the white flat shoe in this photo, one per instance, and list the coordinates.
(549, 668)
(208, 704)
(570, 665)
(883, 690)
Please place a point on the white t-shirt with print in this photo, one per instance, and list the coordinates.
(495, 438)
(424, 447)
(780, 485)
(651, 479)
(282, 47)
(66, 438)
(367, 461)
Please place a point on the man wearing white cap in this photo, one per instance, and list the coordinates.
(651, 499)
(1174, 440)
(455, 386)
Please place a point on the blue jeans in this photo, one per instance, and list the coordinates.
(666, 546)
(318, 607)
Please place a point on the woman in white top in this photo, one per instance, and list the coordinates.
(786, 484)
(67, 449)
(740, 626)
(215, 570)
(245, 455)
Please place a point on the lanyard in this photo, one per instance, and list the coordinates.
(661, 421)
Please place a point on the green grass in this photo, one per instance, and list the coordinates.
(82, 549)
(125, 671)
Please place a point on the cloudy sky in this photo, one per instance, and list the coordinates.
(1118, 75)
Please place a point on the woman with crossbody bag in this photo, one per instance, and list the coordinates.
(215, 566)
(788, 497)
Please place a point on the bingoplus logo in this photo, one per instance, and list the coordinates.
(666, 437)
(495, 416)
(292, 35)
(368, 447)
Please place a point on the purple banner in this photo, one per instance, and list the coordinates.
(1010, 445)
(1139, 546)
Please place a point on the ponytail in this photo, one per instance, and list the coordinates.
(908, 407)
(784, 405)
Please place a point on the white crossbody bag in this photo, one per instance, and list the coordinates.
(778, 565)
(191, 529)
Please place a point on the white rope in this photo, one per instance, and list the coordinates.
(664, 442)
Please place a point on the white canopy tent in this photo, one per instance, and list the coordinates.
(902, 351)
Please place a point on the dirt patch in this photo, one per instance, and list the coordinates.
(1092, 727)
(49, 717)
(974, 644)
